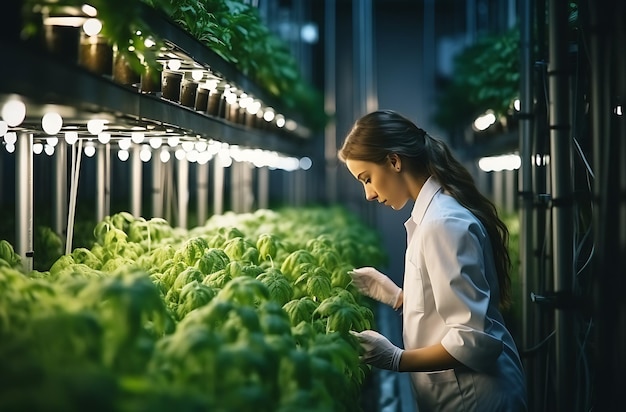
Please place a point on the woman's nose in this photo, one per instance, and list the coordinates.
(370, 194)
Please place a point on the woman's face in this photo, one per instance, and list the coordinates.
(384, 183)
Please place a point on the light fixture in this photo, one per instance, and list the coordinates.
(123, 155)
(124, 143)
(14, 112)
(197, 75)
(137, 137)
(51, 123)
(71, 137)
(52, 141)
(145, 154)
(37, 148)
(90, 149)
(155, 142)
(173, 141)
(104, 138)
(174, 64)
(95, 126)
(164, 155)
(92, 27)
(305, 163)
(10, 138)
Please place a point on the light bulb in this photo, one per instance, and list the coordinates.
(280, 121)
(201, 145)
(52, 141)
(104, 138)
(305, 163)
(164, 155)
(95, 126)
(145, 154)
(4, 128)
(268, 116)
(155, 142)
(180, 154)
(137, 137)
(51, 123)
(10, 138)
(48, 149)
(187, 146)
(90, 150)
(14, 112)
(37, 148)
(71, 137)
(173, 64)
(197, 75)
(123, 155)
(10, 147)
(173, 141)
(92, 27)
(124, 143)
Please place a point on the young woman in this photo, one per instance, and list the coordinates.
(456, 346)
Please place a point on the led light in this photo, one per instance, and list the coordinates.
(204, 157)
(187, 146)
(280, 120)
(149, 43)
(305, 163)
(164, 155)
(10, 138)
(104, 138)
(51, 123)
(180, 154)
(37, 148)
(173, 141)
(145, 154)
(192, 156)
(48, 149)
(71, 137)
(268, 116)
(89, 10)
(155, 142)
(201, 145)
(4, 128)
(14, 112)
(95, 126)
(90, 150)
(174, 64)
(10, 147)
(52, 141)
(197, 75)
(124, 143)
(123, 155)
(92, 27)
(137, 137)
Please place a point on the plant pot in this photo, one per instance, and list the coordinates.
(95, 54)
(216, 104)
(123, 73)
(188, 93)
(202, 99)
(171, 86)
(150, 81)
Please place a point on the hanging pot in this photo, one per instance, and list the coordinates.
(171, 86)
(188, 93)
(202, 99)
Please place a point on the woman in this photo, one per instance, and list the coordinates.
(456, 346)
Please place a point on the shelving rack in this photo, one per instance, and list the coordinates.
(44, 81)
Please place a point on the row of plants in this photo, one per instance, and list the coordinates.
(233, 29)
(247, 312)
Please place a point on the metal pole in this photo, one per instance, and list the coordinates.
(60, 189)
(330, 100)
(183, 191)
(263, 176)
(202, 188)
(561, 173)
(136, 181)
(218, 187)
(24, 206)
(157, 189)
(103, 179)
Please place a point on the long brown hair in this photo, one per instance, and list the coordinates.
(378, 134)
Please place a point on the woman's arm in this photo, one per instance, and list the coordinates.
(430, 358)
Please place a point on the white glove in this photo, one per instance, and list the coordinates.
(376, 285)
(379, 351)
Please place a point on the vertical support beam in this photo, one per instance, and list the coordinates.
(202, 188)
(263, 176)
(24, 206)
(235, 187)
(60, 189)
(136, 181)
(218, 187)
(330, 100)
(103, 182)
(183, 192)
(561, 172)
(366, 94)
(157, 189)
(247, 194)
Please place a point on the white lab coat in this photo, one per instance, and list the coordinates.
(451, 296)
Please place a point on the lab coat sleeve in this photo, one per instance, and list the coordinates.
(454, 260)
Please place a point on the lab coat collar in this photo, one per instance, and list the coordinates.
(425, 196)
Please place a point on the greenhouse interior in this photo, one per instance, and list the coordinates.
(179, 231)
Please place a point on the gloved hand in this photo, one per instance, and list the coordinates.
(376, 285)
(379, 351)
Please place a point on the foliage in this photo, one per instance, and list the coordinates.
(486, 77)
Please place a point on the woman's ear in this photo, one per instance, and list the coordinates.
(395, 161)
